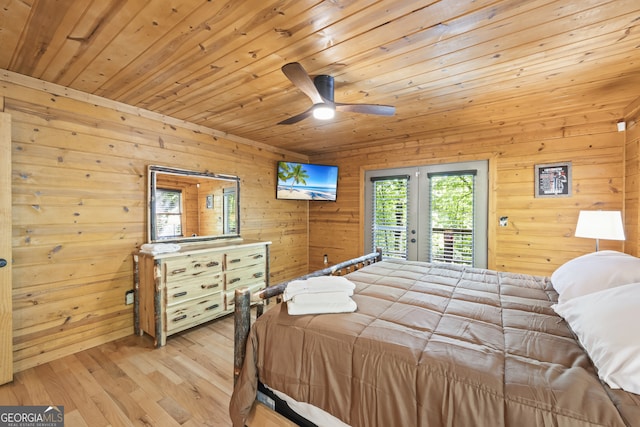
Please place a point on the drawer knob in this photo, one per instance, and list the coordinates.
(235, 260)
(213, 307)
(179, 294)
(179, 318)
(258, 274)
(198, 265)
(179, 270)
(211, 286)
(258, 256)
(213, 264)
(234, 280)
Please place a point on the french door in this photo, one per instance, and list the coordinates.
(434, 213)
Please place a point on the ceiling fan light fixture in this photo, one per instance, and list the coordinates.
(324, 112)
(321, 90)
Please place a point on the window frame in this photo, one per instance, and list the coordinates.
(179, 214)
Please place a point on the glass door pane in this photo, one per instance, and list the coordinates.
(451, 201)
(389, 220)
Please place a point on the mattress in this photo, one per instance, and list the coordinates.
(434, 345)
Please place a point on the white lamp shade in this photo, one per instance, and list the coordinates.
(600, 225)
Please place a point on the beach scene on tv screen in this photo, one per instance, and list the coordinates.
(302, 181)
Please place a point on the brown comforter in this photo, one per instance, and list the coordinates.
(434, 345)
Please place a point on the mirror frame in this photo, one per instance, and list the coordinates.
(153, 170)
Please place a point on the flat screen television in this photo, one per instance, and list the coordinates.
(305, 181)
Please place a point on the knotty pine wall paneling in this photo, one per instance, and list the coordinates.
(79, 171)
(632, 179)
(6, 302)
(539, 237)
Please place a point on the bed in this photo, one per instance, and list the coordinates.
(448, 345)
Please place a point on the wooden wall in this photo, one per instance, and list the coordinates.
(6, 302)
(632, 179)
(211, 219)
(78, 198)
(190, 203)
(539, 236)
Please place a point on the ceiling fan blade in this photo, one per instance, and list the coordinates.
(299, 77)
(296, 119)
(380, 110)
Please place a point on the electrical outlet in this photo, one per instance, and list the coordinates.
(128, 297)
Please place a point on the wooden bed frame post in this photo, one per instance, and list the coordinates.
(241, 324)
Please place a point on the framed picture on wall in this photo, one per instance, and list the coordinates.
(553, 180)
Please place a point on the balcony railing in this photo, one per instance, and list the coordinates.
(454, 245)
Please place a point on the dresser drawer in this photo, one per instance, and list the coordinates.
(245, 257)
(194, 312)
(230, 301)
(245, 277)
(193, 265)
(183, 290)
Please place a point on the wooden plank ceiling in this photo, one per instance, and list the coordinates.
(444, 64)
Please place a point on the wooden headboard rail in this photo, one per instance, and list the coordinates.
(244, 298)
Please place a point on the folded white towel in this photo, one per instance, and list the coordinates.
(319, 284)
(160, 248)
(341, 297)
(342, 307)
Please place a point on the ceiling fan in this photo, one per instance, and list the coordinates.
(320, 90)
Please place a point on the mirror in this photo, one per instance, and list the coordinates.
(191, 206)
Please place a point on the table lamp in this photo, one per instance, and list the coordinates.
(600, 225)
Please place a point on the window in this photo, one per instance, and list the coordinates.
(229, 205)
(168, 213)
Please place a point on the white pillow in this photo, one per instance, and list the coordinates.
(595, 272)
(606, 324)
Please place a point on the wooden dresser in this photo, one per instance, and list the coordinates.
(176, 291)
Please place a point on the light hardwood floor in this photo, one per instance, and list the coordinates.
(130, 383)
